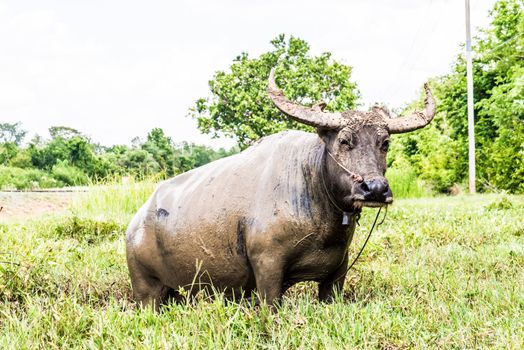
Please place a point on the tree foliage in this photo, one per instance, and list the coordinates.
(69, 158)
(12, 133)
(160, 147)
(189, 155)
(240, 106)
(440, 152)
(63, 132)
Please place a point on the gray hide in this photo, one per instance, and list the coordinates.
(270, 216)
(255, 218)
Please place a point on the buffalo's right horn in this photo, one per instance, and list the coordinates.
(416, 120)
(308, 115)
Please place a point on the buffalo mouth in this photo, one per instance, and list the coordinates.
(359, 202)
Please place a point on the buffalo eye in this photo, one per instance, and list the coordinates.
(345, 142)
(385, 145)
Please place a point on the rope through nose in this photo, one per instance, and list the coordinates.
(356, 177)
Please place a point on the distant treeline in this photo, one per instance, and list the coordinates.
(69, 158)
(238, 106)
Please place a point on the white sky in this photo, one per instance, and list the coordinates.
(114, 69)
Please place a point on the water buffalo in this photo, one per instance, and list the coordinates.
(282, 211)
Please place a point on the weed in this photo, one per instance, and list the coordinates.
(405, 183)
(86, 229)
(501, 203)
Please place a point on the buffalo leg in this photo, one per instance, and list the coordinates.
(269, 278)
(335, 282)
(148, 290)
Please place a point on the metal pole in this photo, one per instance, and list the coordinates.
(471, 127)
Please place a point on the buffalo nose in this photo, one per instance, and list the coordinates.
(375, 189)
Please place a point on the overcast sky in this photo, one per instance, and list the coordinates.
(114, 69)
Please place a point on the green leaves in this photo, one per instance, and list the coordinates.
(161, 148)
(70, 158)
(240, 107)
(499, 111)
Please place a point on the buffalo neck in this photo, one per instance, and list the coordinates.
(320, 187)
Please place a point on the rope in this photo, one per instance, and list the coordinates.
(365, 242)
(358, 178)
(327, 192)
(354, 176)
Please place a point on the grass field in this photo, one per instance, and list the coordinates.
(444, 272)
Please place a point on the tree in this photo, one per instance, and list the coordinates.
(8, 151)
(12, 133)
(160, 147)
(70, 158)
(499, 111)
(64, 132)
(68, 147)
(190, 155)
(500, 107)
(81, 154)
(140, 162)
(240, 106)
(11, 136)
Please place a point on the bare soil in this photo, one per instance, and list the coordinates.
(20, 205)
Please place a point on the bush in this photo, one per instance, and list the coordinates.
(69, 175)
(87, 230)
(431, 153)
(404, 182)
(21, 160)
(501, 203)
(23, 179)
(15, 178)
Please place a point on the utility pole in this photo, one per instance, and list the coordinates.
(471, 116)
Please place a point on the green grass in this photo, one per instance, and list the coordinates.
(439, 273)
(405, 183)
(114, 201)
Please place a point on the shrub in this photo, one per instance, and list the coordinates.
(501, 203)
(86, 230)
(69, 175)
(22, 179)
(404, 182)
(21, 160)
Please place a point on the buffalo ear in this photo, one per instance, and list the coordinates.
(326, 134)
(320, 106)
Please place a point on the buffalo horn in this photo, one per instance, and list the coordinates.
(416, 120)
(307, 115)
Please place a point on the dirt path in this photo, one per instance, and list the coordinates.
(22, 205)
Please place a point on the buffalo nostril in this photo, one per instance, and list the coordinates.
(375, 189)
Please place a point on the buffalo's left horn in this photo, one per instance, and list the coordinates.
(416, 120)
(308, 115)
